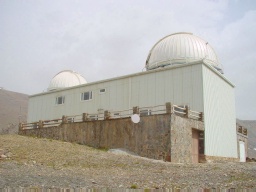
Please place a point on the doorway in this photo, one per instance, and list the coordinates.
(242, 151)
(197, 145)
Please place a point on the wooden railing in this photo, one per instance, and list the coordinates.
(242, 130)
(183, 111)
(41, 124)
(186, 112)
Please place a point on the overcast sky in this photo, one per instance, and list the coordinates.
(105, 39)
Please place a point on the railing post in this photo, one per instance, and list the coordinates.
(136, 110)
(244, 131)
(40, 124)
(187, 111)
(64, 119)
(20, 126)
(240, 129)
(168, 107)
(106, 115)
(85, 117)
(201, 116)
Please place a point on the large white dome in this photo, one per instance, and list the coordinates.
(66, 78)
(181, 48)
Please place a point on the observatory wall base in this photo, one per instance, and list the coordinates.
(164, 136)
(181, 138)
(216, 159)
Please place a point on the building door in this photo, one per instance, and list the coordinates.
(242, 151)
(195, 146)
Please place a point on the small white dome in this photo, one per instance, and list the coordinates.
(181, 48)
(66, 78)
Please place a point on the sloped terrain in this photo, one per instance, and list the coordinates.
(13, 108)
(44, 163)
(251, 127)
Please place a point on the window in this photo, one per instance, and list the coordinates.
(60, 100)
(102, 90)
(86, 96)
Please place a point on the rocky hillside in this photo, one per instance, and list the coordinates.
(45, 163)
(13, 108)
(251, 127)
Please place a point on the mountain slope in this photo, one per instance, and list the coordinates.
(13, 108)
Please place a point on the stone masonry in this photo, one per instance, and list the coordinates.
(163, 136)
(181, 138)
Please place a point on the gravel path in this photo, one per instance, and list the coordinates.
(44, 163)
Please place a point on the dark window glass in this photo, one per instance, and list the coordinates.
(86, 95)
(102, 90)
(60, 100)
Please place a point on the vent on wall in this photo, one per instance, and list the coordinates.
(102, 90)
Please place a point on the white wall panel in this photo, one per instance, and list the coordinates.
(160, 88)
(151, 89)
(168, 86)
(179, 85)
(197, 88)
(219, 116)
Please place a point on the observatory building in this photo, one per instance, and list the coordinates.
(181, 68)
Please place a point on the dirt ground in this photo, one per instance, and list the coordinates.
(44, 163)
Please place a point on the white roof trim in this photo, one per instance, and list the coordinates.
(142, 73)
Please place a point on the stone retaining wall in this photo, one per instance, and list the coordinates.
(163, 136)
(181, 138)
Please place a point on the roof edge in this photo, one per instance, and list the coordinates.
(140, 73)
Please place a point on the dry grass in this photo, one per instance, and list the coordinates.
(44, 159)
(59, 154)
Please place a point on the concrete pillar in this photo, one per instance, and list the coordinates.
(201, 116)
(240, 129)
(244, 131)
(20, 126)
(136, 110)
(85, 117)
(64, 119)
(106, 115)
(187, 111)
(168, 107)
(40, 124)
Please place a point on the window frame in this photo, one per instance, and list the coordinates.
(82, 96)
(57, 99)
(102, 92)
